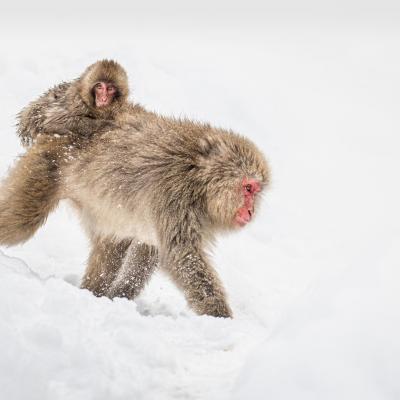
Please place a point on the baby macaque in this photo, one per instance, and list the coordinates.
(80, 108)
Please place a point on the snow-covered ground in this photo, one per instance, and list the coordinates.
(313, 282)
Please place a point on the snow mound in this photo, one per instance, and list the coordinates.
(60, 342)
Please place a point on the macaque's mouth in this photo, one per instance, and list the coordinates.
(102, 103)
(243, 217)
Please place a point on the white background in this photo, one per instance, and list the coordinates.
(313, 282)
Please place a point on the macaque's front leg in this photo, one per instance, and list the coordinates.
(191, 272)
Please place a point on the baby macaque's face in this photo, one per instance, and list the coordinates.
(104, 93)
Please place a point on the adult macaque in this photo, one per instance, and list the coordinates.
(80, 108)
(155, 192)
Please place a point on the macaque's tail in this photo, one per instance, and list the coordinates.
(28, 194)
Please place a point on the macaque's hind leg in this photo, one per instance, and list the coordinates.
(29, 193)
(138, 266)
(105, 260)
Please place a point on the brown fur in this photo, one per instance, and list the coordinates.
(31, 190)
(69, 108)
(170, 184)
(139, 262)
(105, 260)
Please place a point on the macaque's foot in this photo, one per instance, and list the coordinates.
(214, 306)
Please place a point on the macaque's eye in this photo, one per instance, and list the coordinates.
(248, 188)
(98, 86)
(111, 89)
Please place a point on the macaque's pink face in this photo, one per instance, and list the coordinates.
(250, 188)
(104, 93)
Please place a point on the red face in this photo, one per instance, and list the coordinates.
(250, 187)
(104, 93)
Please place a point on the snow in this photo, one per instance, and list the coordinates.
(313, 282)
(339, 341)
(64, 345)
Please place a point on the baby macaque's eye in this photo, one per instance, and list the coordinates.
(248, 188)
(111, 89)
(98, 86)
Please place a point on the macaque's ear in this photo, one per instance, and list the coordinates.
(104, 71)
